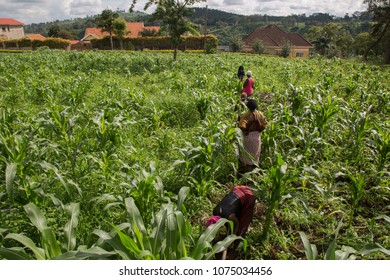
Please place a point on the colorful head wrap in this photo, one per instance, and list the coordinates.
(212, 220)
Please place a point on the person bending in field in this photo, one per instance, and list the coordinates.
(237, 206)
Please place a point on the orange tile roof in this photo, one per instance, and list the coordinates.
(9, 21)
(135, 29)
(35, 36)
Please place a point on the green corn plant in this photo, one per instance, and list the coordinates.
(345, 253)
(203, 104)
(147, 190)
(167, 238)
(356, 188)
(382, 145)
(359, 125)
(323, 112)
(18, 155)
(278, 180)
(297, 98)
(50, 248)
(308, 142)
(107, 133)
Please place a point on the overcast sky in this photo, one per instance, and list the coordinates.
(37, 11)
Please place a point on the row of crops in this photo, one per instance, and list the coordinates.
(121, 155)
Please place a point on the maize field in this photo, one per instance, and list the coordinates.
(122, 155)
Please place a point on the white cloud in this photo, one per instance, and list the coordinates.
(82, 8)
(36, 11)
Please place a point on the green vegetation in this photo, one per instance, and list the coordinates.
(106, 154)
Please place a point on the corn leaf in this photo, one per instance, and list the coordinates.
(129, 243)
(13, 254)
(115, 243)
(158, 232)
(28, 243)
(94, 252)
(181, 197)
(171, 233)
(50, 244)
(310, 249)
(373, 248)
(205, 239)
(70, 227)
(36, 216)
(49, 166)
(182, 232)
(223, 245)
(137, 224)
(10, 173)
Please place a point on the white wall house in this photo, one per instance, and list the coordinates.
(11, 29)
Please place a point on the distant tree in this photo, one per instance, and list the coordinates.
(362, 42)
(380, 10)
(286, 49)
(258, 46)
(174, 15)
(235, 43)
(120, 30)
(105, 21)
(54, 31)
(64, 34)
(331, 39)
(149, 33)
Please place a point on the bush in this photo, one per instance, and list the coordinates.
(159, 43)
(52, 43)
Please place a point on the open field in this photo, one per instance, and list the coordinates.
(120, 155)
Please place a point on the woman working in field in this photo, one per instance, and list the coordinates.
(248, 85)
(251, 124)
(237, 206)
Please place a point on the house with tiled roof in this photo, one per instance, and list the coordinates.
(134, 28)
(35, 37)
(273, 39)
(11, 29)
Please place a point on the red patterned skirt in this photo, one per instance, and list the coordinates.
(252, 148)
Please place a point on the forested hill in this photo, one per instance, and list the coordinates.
(220, 23)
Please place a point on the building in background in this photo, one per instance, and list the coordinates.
(273, 39)
(11, 29)
(135, 30)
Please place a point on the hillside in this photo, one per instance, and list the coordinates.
(221, 24)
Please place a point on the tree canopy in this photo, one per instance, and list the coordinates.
(174, 16)
(105, 21)
(380, 10)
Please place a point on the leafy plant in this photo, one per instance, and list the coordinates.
(167, 237)
(50, 247)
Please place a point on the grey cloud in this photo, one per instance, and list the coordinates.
(295, 7)
(85, 7)
(233, 2)
(15, 2)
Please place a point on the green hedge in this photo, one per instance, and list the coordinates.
(159, 43)
(52, 43)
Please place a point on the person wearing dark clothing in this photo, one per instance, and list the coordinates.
(241, 73)
(238, 206)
